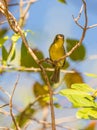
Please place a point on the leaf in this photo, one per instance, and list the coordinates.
(91, 75)
(3, 40)
(87, 113)
(4, 55)
(24, 116)
(41, 90)
(15, 37)
(71, 78)
(82, 87)
(27, 60)
(78, 98)
(62, 1)
(57, 105)
(3, 32)
(79, 53)
(11, 54)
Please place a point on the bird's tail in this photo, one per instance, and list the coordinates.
(56, 75)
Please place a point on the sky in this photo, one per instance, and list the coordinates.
(46, 19)
(51, 17)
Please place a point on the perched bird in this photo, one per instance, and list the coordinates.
(56, 51)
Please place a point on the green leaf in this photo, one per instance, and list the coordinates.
(23, 117)
(82, 87)
(72, 78)
(62, 1)
(91, 75)
(4, 55)
(87, 113)
(15, 37)
(11, 54)
(3, 40)
(79, 54)
(78, 98)
(41, 90)
(57, 105)
(3, 32)
(27, 60)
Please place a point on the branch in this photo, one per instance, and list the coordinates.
(31, 69)
(79, 15)
(23, 12)
(24, 2)
(11, 105)
(1, 106)
(16, 28)
(84, 7)
(84, 28)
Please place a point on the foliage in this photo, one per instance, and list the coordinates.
(82, 96)
(62, 1)
(79, 53)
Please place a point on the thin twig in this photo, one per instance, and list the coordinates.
(5, 128)
(1, 106)
(4, 91)
(24, 2)
(79, 15)
(83, 33)
(15, 27)
(48, 124)
(11, 105)
(23, 11)
(92, 26)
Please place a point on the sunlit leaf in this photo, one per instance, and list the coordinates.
(82, 87)
(91, 75)
(15, 37)
(78, 98)
(71, 78)
(87, 113)
(62, 1)
(79, 54)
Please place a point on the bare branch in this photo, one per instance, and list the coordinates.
(23, 12)
(83, 33)
(5, 92)
(11, 105)
(1, 106)
(92, 26)
(79, 15)
(5, 128)
(15, 27)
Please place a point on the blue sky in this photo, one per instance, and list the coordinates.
(48, 18)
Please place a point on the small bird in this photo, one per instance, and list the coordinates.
(56, 51)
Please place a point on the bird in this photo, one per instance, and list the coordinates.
(56, 51)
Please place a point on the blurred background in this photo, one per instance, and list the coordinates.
(46, 19)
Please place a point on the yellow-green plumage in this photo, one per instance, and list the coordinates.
(56, 51)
